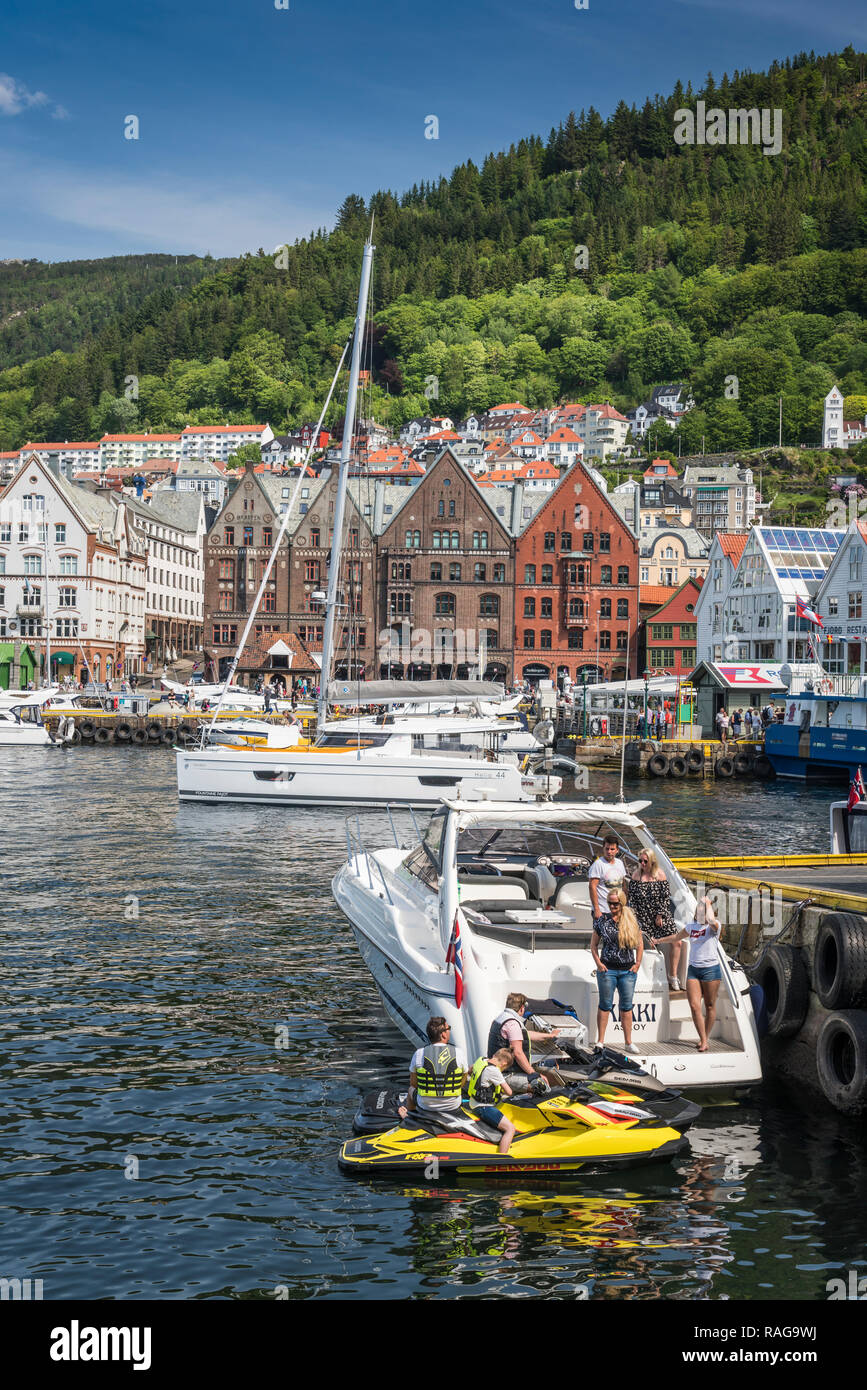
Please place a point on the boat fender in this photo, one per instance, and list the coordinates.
(123, 731)
(840, 961)
(841, 1060)
(760, 1009)
(763, 767)
(724, 767)
(75, 736)
(139, 736)
(677, 766)
(87, 728)
(695, 760)
(154, 730)
(102, 735)
(743, 763)
(658, 765)
(783, 978)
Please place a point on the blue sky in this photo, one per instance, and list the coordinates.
(256, 122)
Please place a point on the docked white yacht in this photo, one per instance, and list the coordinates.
(515, 880)
(21, 724)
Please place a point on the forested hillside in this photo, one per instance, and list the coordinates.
(704, 263)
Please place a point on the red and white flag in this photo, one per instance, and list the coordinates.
(856, 791)
(455, 957)
(803, 610)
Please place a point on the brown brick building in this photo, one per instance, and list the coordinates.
(446, 581)
(576, 586)
(237, 549)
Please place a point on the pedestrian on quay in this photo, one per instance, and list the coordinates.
(267, 699)
(736, 725)
(722, 725)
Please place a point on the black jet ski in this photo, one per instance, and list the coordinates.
(611, 1075)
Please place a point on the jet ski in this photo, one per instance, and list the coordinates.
(612, 1075)
(568, 1130)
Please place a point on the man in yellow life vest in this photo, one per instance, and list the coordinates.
(485, 1087)
(437, 1073)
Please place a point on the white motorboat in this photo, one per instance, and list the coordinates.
(22, 725)
(515, 880)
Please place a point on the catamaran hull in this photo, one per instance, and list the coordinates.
(310, 779)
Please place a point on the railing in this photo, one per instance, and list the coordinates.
(828, 685)
(356, 850)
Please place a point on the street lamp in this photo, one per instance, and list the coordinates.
(646, 678)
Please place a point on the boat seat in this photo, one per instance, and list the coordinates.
(572, 892)
(475, 886)
(542, 883)
(495, 909)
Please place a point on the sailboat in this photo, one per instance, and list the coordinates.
(349, 766)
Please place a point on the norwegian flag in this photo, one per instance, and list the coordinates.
(455, 957)
(804, 611)
(856, 791)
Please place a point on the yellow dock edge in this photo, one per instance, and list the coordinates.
(721, 872)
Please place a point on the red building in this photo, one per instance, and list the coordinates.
(576, 586)
(670, 637)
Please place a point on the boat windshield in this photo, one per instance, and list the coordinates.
(353, 739)
(563, 845)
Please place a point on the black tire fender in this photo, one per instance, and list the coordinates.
(139, 736)
(154, 730)
(87, 728)
(695, 760)
(677, 766)
(169, 736)
(743, 763)
(763, 767)
(102, 735)
(123, 731)
(724, 766)
(658, 765)
(783, 977)
(840, 961)
(841, 1060)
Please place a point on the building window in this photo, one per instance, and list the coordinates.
(5, 530)
(604, 542)
(575, 640)
(491, 638)
(225, 601)
(605, 641)
(32, 564)
(480, 540)
(550, 540)
(248, 535)
(529, 608)
(687, 658)
(489, 606)
(400, 603)
(588, 540)
(645, 574)
(529, 639)
(230, 535)
(312, 571)
(436, 571)
(456, 539)
(688, 632)
(546, 609)
(314, 537)
(661, 632)
(69, 564)
(441, 508)
(266, 536)
(547, 574)
(227, 569)
(60, 533)
(605, 575)
(67, 598)
(622, 574)
(445, 605)
(623, 608)
(479, 573)
(225, 634)
(545, 638)
(529, 574)
(621, 641)
(66, 627)
(832, 607)
(576, 608)
(499, 574)
(605, 608)
(269, 601)
(855, 603)
(566, 540)
(662, 658)
(451, 506)
(455, 572)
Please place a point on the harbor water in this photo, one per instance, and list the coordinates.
(186, 1027)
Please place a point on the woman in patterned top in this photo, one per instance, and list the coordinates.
(617, 947)
(650, 900)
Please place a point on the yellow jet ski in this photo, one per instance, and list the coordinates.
(565, 1131)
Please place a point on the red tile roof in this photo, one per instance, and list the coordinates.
(732, 545)
(657, 594)
(138, 438)
(76, 445)
(212, 429)
(563, 435)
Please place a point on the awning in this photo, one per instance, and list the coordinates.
(63, 658)
(627, 814)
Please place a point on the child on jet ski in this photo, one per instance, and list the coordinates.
(485, 1085)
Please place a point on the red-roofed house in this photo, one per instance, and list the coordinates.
(219, 442)
(660, 468)
(527, 444)
(603, 430)
(669, 633)
(131, 450)
(723, 558)
(539, 473)
(72, 459)
(563, 446)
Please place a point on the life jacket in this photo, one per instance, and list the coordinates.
(485, 1094)
(498, 1039)
(439, 1074)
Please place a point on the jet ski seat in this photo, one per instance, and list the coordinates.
(461, 1121)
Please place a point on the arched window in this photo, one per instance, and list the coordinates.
(441, 508)
(436, 571)
(479, 573)
(529, 639)
(489, 606)
(394, 571)
(456, 540)
(669, 553)
(547, 574)
(621, 641)
(566, 540)
(435, 540)
(576, 608)
(605, 608)
(606, 574)
(623, 608)
(445, 605)
(455, 571)
(499, 574)
(545, 638)
(492, 638)
(622, 574)
(550, 540)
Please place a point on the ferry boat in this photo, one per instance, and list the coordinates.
(824, 730)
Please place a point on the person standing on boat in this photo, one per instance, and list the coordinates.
(436, 1073)
(705, 973)
(617, 947)
(648, 895)
(607, 871)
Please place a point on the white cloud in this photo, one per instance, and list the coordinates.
(147, 212)
(15, 97)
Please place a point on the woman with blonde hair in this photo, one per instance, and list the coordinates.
(617, 947)
(649, 897)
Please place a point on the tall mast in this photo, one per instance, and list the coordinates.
(331, 600)
(46, 610)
